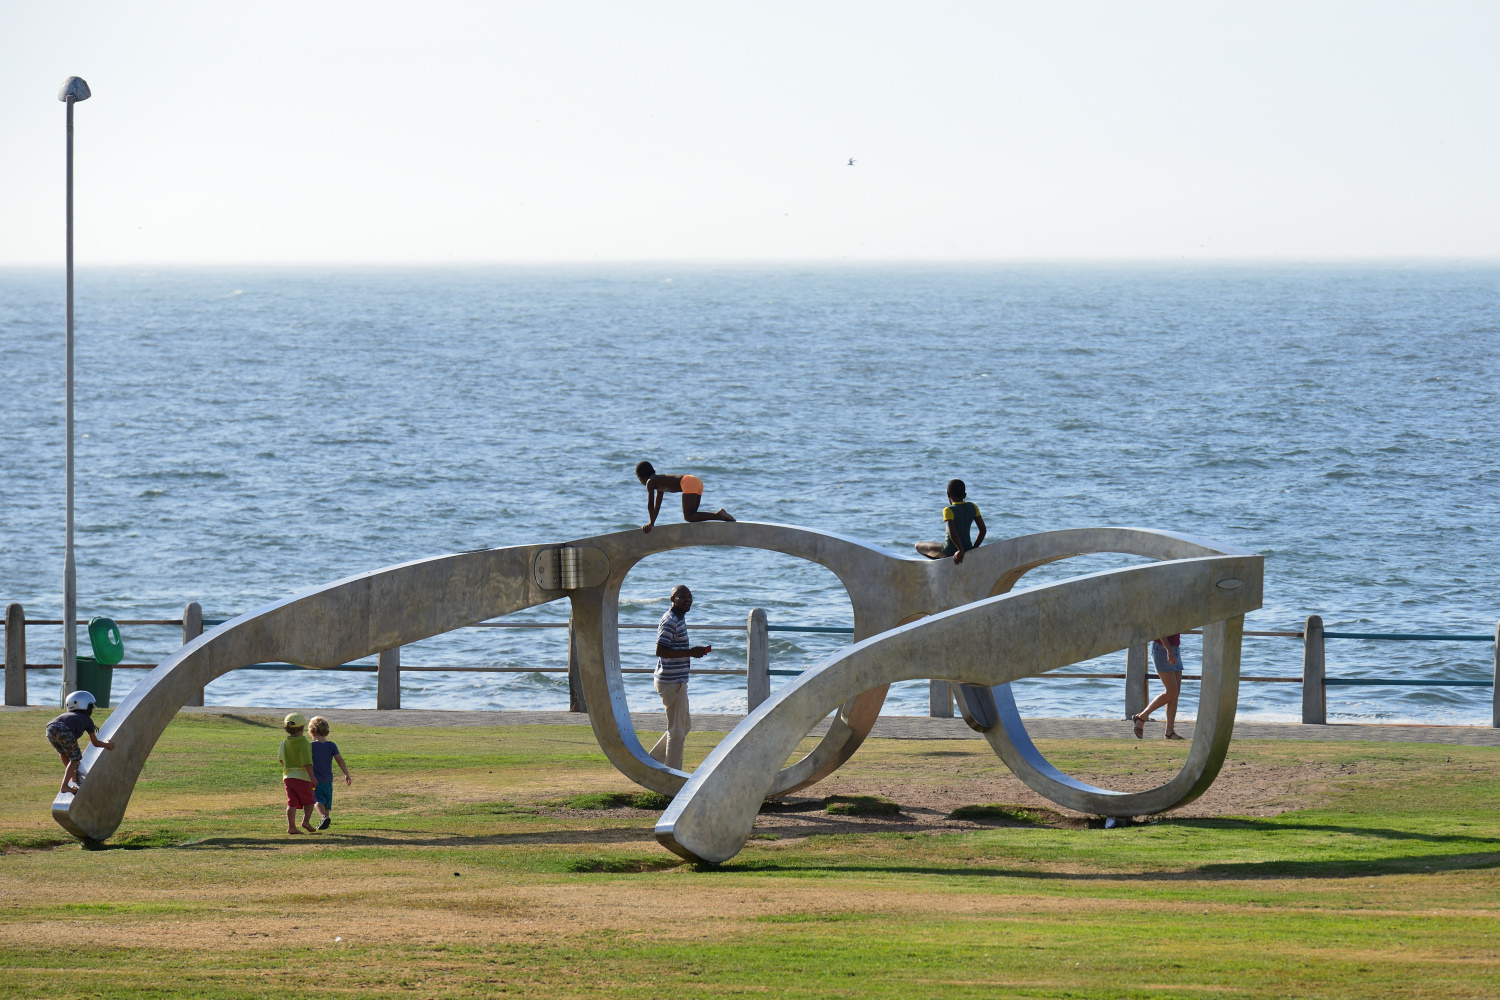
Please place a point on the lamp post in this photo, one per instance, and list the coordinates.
(73, 91)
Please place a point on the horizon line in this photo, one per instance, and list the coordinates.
(751, 262)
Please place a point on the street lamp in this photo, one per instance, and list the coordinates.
(73, 91)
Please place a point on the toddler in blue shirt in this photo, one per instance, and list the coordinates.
(324, 753)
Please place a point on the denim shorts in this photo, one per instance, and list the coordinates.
(1159, 655)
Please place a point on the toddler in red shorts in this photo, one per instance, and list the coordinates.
(297, 773)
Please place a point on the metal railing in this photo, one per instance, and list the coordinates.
(1313, 678)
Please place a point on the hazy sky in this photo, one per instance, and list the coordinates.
(434, 132)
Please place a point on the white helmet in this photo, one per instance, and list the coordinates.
(79, 701)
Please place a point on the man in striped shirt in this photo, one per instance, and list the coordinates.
(673, 665)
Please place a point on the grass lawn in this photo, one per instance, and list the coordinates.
(514, 861)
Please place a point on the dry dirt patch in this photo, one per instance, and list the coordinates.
(1243, 788)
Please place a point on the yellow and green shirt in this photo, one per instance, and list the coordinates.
(295, 752)
(962, 514)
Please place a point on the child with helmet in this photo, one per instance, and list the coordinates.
(64, 732)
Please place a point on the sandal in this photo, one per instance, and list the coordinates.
(1140, 727)
(1173, 736)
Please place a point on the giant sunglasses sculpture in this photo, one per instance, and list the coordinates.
(913, 618)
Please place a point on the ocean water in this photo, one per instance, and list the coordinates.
(247, 434)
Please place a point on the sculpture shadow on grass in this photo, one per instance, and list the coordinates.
(1380, 833)
(1223, 871)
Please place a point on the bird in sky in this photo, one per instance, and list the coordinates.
(851, 161)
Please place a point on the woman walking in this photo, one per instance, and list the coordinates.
(1167, 653)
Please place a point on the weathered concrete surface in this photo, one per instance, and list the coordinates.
(1002, 726)
(885, 589)
(984, 646)
(325, 627)
(398, 605)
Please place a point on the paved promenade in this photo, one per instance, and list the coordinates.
(899, 727)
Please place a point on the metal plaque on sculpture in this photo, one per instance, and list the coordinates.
(571, 568)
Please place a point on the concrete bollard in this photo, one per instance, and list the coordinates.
(192, 628)
(1135, 681)
(1494, 698)
(939, 699)
(757, 659)
(576, 702)
(1314, 693)
(15, 655)
(388, 679)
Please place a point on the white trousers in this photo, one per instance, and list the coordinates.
(668, 749)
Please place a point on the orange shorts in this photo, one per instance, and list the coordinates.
(692, 484)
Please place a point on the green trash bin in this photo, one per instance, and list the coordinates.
(95, 678)
(96, 673)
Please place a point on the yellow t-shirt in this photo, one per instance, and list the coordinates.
(296, 751)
